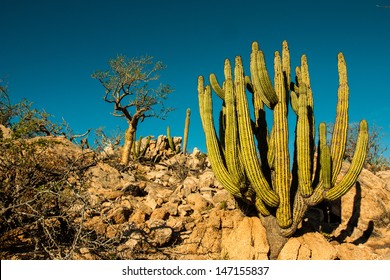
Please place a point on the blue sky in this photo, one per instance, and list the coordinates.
(49, 49)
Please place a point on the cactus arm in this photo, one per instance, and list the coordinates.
(294, 101)
(170, 140)
(356, 165)
(216, 87)
(233, 161)
(248, 84)
(186, 129)
(340, 129)
(310, 105)
(303, 146)
(248, 151)
(260, 78)
(212, 143)
(324, 158)
(286, 63)
(282, 157)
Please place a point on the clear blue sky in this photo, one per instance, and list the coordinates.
(50, 48)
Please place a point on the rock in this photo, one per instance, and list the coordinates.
(160, 214)
(119, 215)
(107, 181)
(96, 224)
(184, 210)
(160, 234)
(5, 132)
(224, 200)
(197, 202)
(348, 251)
(190, 184)
(138, 217)
(310, 246)
(364, 209)
(248, 241)
(385, 176)
(206, 180)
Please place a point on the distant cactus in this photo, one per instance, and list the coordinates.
(262, 177)
(170, 140)
(186, 129)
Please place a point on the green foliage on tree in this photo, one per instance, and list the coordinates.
(130, 85)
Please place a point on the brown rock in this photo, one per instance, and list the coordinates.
(348, 251)
(160, 234)
(5, 132)
(96, 224)
(364, 209)
(138, 217)
(310, 246)
(246, 242)
(160, 214)
(119, 215)
(197, 201)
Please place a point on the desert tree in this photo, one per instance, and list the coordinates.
(130, 85)
(6, 109)
(375, 160)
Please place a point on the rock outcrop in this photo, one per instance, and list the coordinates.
(172, 207)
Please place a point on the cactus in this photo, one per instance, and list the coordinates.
(262, 177)
(170, 139)
(186, 129)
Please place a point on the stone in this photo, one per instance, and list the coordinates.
(365, 209)
(160, 214)
(309, 246)
(191, 182)
(206, 179)
(348, 251)
(248, 241)
(119, 215)
(5, 132)
(138, 217)
(197, 201)
(160, 234)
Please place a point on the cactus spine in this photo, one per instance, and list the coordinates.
(263, 178)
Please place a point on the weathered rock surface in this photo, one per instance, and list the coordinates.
(174, 208)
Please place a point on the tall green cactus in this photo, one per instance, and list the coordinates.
(262, 177)
(186, 129)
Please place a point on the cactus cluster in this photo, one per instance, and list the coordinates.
(252, 159)
(137, 151)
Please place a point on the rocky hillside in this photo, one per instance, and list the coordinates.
(62, 202)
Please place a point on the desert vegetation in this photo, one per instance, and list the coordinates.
(65, 196)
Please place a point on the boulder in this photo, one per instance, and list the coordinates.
(364, 209)
(310, 246)
(247, 241)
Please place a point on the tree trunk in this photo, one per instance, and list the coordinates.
(129, 138)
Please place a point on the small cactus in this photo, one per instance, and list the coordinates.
(186, 130)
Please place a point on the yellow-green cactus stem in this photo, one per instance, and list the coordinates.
(282, 157)
(260, 78)
(232, 147)
(340, 129)
(247, 145)
(170, 140)
(216, 87)
(303, 146)
(186, 129)
(356, 167)
(325, 159)
(212, 143)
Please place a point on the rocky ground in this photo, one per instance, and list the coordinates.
(172, 207)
